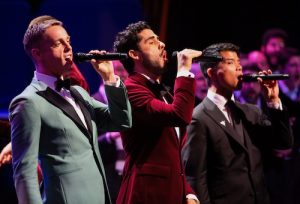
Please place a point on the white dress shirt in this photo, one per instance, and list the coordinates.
(220, 102)
(50, 82)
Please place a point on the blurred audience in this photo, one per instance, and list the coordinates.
(201, 84)
(273, 42)
(251, 91)
(7, 189)
(257, 58)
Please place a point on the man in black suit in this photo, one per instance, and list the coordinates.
(225, 148)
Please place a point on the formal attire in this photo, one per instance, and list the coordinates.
(224, 165)
(60, 129)
(153, 170)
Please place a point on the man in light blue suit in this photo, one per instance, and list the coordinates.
(58, 125)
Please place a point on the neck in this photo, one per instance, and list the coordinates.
(46, 71)
(223, 92)
(151, 75)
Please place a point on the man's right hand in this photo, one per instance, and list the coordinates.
(185, 59)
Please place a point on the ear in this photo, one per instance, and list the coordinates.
(209, 72)
(35, 53)
(134, 54)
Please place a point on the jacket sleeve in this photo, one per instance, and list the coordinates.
(25, 135)
(176, 114)
(282, 131)
(114, 116)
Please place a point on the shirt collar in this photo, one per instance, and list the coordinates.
(151, 80)
(47, 79)
(218, 99)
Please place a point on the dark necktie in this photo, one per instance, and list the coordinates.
(234, 112)
(164, 92)
(59, 84)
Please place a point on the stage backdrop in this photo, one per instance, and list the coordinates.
(92, 24)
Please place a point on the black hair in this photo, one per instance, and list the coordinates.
(128, 40)
(214, 52)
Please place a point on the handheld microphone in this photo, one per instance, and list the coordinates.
(253, 77)
(81, 57)
(202, 58)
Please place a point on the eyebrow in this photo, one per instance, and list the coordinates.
(227, 58)
(151, 37)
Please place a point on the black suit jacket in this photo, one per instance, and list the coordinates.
(221, 169)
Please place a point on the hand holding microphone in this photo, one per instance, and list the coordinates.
(185, 57)
(102, 63)
(269, 84)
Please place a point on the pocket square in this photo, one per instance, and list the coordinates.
(223, 123)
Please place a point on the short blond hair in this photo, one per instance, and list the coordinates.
(36, 29)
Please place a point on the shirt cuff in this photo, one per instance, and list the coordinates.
(185, 73)
(275, 105)
(115, 84)
(192, 197)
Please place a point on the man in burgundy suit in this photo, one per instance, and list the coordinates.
(153, 170)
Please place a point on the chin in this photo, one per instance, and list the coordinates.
(239, 86)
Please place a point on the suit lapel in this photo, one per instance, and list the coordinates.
(79, 99)
(57, 100)
(140, 79)
(216, 115)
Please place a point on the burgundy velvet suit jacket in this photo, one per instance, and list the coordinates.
(153, 169)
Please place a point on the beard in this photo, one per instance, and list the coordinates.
(154, 67)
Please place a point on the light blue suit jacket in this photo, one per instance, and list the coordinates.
(46, 127)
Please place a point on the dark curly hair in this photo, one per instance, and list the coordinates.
(128, 40)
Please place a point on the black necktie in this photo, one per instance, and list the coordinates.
(164, 92)
(234, 112)
(59, 84)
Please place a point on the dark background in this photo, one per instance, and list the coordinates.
(93, 24)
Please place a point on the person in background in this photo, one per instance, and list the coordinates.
(257, 58)
(201, 85)
(153, 170)
(274, 40)
(251, 91)
(223, 154)
(5, 155)
(57, 123)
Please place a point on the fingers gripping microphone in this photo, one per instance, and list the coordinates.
(253, 77)
(81, 57)
(202, 58)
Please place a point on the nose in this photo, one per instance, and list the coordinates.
(68, 46)
(239, 67)
(161, 45)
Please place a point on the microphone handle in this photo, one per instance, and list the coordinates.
(253, 77)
